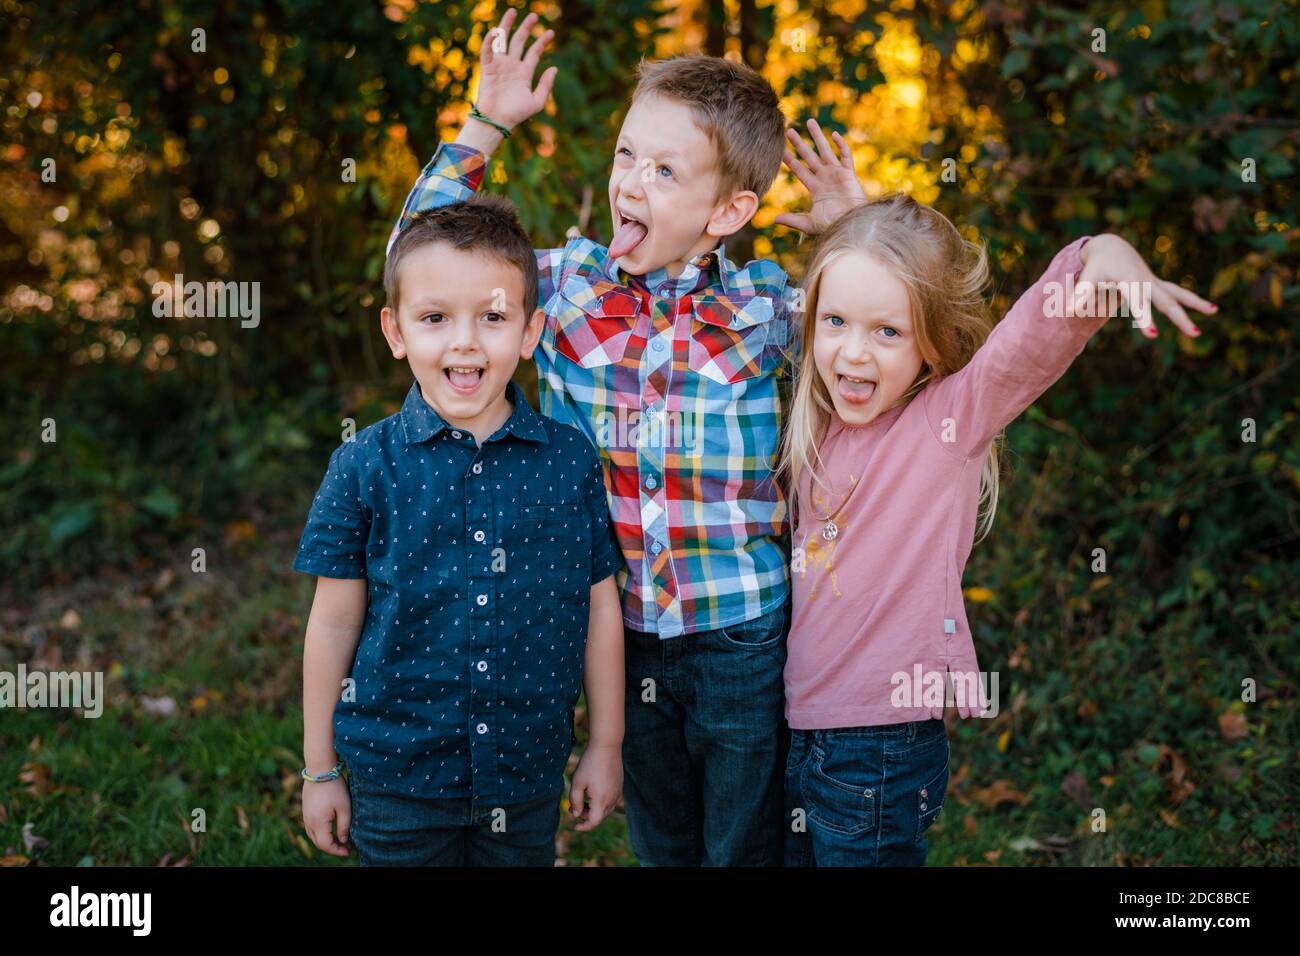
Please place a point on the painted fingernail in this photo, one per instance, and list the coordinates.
(1214, 307)
(1195, 330)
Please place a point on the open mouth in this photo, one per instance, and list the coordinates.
(629, 234)
(464, 378)
(855, 390)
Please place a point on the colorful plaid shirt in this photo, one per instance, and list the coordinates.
(675, 382)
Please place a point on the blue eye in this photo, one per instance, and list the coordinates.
(665, 169)
(890, 328)
(622, 151)
(835, 321)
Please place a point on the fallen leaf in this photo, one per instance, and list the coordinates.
(158, 706)
(163, 581)
(1075, 786)
(240, 531)
(1000, 791)
(30, 840)
(1232, 725)
(37, 778)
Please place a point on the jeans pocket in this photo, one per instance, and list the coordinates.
(930, 796)
(758, 633)
(798, 750)
(841, 803)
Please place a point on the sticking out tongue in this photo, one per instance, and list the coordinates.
(856, 391)
(464, 380)
(626, 238)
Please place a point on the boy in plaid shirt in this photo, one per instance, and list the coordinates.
(666, 355)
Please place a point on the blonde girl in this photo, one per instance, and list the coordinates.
(903, 390)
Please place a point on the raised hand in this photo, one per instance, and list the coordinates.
(1111, 265)
(506, 92)
(829, 179)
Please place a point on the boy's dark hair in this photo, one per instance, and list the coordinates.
(734, 105)
(485, 222)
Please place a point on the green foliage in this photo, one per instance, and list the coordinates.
(227, 164)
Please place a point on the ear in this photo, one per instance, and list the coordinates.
(532, 333)
(733, 214)
(392, 332)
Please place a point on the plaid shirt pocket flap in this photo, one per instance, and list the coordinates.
(594, 321)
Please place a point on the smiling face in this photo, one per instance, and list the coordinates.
(663, 190)
(864, 345)
(461, 326)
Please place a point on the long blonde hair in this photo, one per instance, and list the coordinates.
(945, 276)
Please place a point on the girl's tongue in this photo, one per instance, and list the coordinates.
(856, 392)
(626, 238)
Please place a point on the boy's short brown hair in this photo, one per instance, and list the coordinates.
(485, 222)
(735, 107)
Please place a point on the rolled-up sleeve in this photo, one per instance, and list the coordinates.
(334, 540)
(606, 558)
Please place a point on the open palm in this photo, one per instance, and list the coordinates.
(829, 179)
(506, 91)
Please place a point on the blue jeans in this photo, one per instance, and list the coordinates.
(864, 796)
(704, 743)
(394, 829)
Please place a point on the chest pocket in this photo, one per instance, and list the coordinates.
(594, 321)
(555, 542)
(729, 343)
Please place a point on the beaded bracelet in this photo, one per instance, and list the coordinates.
(476, 114)
(322, 777)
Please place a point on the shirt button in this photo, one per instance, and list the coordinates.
(481, 728)
(651, 483)
(478, 468)
(482, 665)
(656, 547)
(455, 434)
(659, 345)
(481, 599)
(479, 536)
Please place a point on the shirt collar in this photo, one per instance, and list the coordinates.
(421, 422)
(698, 273)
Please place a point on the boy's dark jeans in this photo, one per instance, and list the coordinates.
(705, 744)
(864, 796)
(391, 829)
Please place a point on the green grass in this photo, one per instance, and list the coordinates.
(226, 646)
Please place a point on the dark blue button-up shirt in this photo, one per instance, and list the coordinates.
(479, 562)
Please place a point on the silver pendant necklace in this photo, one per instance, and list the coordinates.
(830, 530)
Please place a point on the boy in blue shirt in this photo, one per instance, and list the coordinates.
(464, 557)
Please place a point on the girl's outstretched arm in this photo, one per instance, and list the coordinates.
(1085, 284)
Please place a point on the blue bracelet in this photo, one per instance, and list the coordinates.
(474, 112)
(327, 775)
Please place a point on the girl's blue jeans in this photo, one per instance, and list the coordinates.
(864, 796)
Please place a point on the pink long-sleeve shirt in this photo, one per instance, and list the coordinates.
(878, 614)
